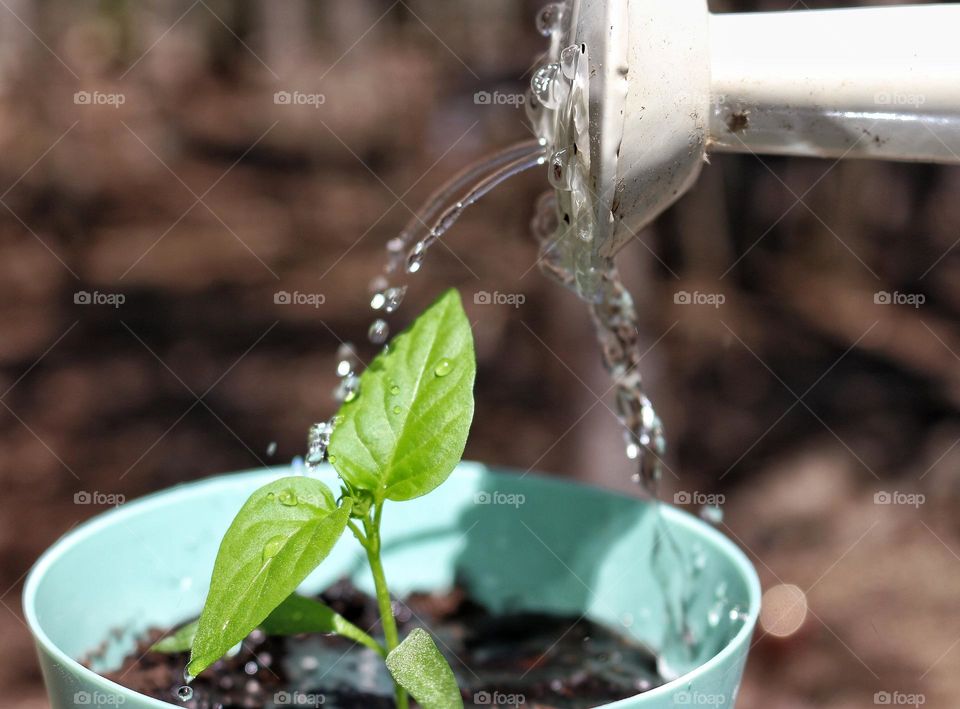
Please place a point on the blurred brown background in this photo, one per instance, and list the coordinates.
(198, 198)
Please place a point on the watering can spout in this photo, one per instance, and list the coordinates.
(670, 83)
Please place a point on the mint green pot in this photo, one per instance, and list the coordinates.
(560, 547)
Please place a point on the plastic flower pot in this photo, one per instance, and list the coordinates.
(518, 542)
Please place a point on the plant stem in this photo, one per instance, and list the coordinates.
(390, 634)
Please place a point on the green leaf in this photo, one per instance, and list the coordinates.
(179, 640)
(306, 615)
(405, 432)
(417, 665)
(279, 536)
(295, 615)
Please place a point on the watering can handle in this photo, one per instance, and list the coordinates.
(867, 82)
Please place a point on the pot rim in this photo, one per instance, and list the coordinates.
(469, 469)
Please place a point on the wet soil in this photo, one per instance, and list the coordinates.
(520, 659)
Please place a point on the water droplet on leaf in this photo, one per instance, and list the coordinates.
(272, 548)
(443, 368)
(288, 498)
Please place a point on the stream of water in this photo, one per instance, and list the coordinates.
(570, 223)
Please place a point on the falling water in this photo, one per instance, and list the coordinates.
(571, 224)
(405, 255)
(574, 228)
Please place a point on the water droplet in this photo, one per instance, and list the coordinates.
(633, 451)
(333, 459)
(271, 449)
(270, 496)
(395, 390)
(377, 284)
(547, 85)
(347, 360)
(550, 18)
(397, 410)
(443, 368)
(348, 389)
(560, 170)
(187, 677)
(296, 466)
(378, 332)
(416, 255)
(251, 668)
(568, 60)
(712, 514)
(288, 498)
(272, 548)
(185, 693)
(393, 297)
(378, 301)
(318, 440)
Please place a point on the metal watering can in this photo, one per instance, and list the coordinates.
(670, 83)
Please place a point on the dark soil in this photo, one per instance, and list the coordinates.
(529, 659)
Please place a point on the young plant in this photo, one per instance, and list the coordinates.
(398, 439)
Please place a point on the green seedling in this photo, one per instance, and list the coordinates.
(399, 439)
